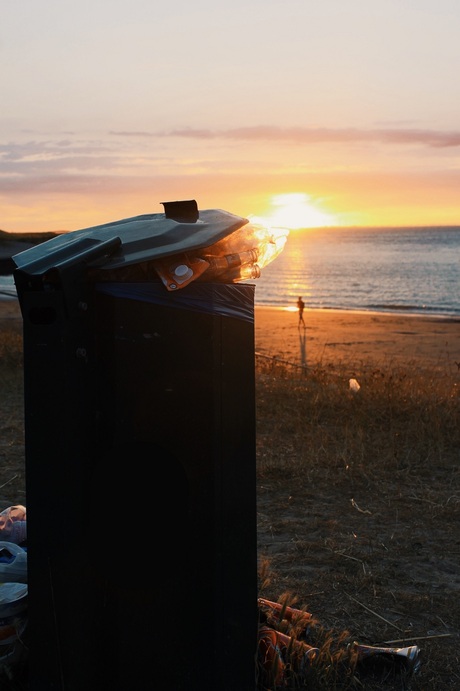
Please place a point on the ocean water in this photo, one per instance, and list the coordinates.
(411, 270)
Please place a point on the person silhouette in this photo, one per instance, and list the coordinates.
(301, 307)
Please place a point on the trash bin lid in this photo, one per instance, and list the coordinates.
(142, 238)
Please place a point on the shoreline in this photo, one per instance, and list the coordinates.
(346, 310)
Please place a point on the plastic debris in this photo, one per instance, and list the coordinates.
(13, 563)
(354, 386)
(287, 649)
(238, 257)
(13, 525)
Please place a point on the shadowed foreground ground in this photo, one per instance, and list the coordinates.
(358, 492)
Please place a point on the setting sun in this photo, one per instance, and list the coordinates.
(296, 210)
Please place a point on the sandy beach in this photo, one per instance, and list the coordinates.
(9, 309)
(356, 339)
(345, 338)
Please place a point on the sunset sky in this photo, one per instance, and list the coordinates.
(306, 112)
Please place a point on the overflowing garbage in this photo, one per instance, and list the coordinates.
(13, 586)
(13, 526)
(289, 649)
(176, 248)
(239, 256)
(172, 250)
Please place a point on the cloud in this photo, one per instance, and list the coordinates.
(319, 135)
(49, 148)
(73, 162)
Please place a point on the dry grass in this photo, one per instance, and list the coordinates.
(358, 510)
(12, 481)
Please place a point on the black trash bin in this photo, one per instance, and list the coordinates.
(140, 464)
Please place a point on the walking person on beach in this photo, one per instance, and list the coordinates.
(301, 307)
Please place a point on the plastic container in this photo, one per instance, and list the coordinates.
(13, 563)
(13, 611)
(13, 524)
